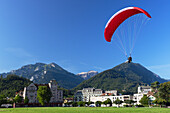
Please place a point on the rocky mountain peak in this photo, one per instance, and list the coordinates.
(87, 75)
(43, 73)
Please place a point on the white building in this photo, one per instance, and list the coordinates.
(94, 95)
(142, 90)
(86, 94)
(151, 96)
(90, 92)
(113, 92)
(31, 92)
(112, 98)
(137, 98)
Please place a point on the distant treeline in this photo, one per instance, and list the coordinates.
(12, 84)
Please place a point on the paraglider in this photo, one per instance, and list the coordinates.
(117, 19)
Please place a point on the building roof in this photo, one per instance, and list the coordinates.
(107, 94)
(68, 98)
(145, 87)
(150, 93)
(98, 90)
(79, 90)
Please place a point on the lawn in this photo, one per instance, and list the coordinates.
(84, 110)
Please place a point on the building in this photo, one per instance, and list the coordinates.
(151, 97)
(86, 94)
(112, 98)
(67, 102)
(78, 96)
(57, 95)
(137, 98)
(94, 95)
(111, 93)
(142, 90)
(31, 92)
(90, 92)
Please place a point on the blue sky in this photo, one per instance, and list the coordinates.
(71, 34)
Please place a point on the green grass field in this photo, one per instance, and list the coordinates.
(84, 110)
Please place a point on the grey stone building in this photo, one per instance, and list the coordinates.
(31, 92)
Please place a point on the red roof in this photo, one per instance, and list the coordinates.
(108, 94)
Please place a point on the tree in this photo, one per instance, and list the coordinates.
(144, 100)
(18, 99)
(49, 95)
(69, 103)
(164, 93)
(98, 103)
(109, 102)
(74, 104)
(118, 102)
(81, 103)
(155, 86)
(26, 100)
(44, 94)
(3, 100)
(11, 84)
(1, 77)
(129, 102)
(88, 103)
(105, 103)
(159, 101)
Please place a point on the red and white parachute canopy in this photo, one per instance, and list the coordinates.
(120, 17)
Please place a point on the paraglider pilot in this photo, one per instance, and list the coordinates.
(129, 59)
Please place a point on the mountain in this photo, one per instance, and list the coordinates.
(87, 75)
(12, 84)
(126, 76)
(42, 73)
